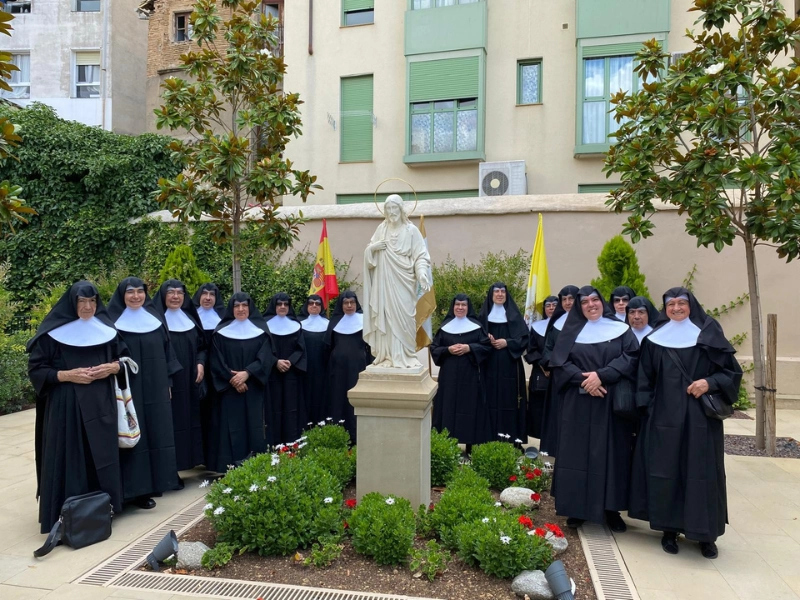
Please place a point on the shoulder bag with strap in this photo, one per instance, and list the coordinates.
(84, 520)
(128, 432)
(713, 404)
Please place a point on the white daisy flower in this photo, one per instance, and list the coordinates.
(502, 435)
(341, 421)
(321, 423)
(505, 539)
(328, 419)
(328, 500)
(237, 498)
(227, 490)
(498, 504)
(205, 483)
(208, 506)
(390, 501)
(517, 441)
(272, 479)
(303, 445)
(219, 510)
(254, 488)
(485, 519)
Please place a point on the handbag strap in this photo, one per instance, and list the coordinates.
(53, 538)
(676, 359)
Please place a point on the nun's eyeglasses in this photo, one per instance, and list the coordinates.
(315, 303)
(281, 303)
(175, 293)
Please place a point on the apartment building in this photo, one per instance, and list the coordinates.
(85, 58)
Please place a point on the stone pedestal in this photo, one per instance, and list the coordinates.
(393, 419)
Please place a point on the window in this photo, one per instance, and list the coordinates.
(444, 126)
(87, 5)
(597, 188)
(183, 27)
(18, 6)
(603, 77)
(421, 4)
(358, 12)
(529, 82)
(356, 119)
(407, 196)
(20, 81)
(87, 74)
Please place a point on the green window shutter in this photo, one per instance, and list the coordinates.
(611, 50)
(597, 188)
(348, 5)
(356, 119)
(446, 79)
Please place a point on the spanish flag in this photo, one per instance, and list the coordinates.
(323, 279)
(426, 303)
(538, 278)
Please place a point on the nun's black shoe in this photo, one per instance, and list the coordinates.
(615, 522)
(180, 485)
(574, 523)
(145, 502)
(669, 542)
(709, 549)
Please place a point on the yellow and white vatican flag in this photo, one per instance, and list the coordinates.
(426, 302)
(538, 278)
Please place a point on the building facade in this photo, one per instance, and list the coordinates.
(84, 58)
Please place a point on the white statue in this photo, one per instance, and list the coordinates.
(395, 260)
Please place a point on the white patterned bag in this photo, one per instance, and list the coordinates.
(128, 433)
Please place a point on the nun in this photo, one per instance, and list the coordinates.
(539, 380)
(459, 349)
(286, 408)
(315, 324)
(678, 481)
(189, 343)
(506, 391)
(73, 356)
(642, 316)
(549, 440)
(150, 467)
(241, 362)
(349, 355)
(594, 353)
(619, 300)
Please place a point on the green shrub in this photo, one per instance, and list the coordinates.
(431, 561)
(46, 303)
(274, 505)
(497, 462)
(502, 546)
(338, 462)
(383, 527)
(181, 265)
(466, 499)
(8, 307)
(467, 477)
(618, 266)
(325, 552)
(16, 390)
(218, 556)
(445, 455)
(474, 279)
(326, 435)
(424, 524)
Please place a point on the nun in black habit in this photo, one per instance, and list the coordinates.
(240, 366)
(594, 353)
(315, 324)
(459, 349)
(619, 300)
(349, 355)
(642, 316)
(286, 407)
(73, 355)
(678, 481)
(189, 343)
(550, 415)
(506, 392)
(539, 380)
(150, 467)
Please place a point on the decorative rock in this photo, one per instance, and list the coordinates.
(517, 496)
(559, 544)
(190, 554)
(532, 584)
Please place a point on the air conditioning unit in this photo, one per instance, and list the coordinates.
(505, 178)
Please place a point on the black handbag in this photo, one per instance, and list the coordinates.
(714, 406)
(624, 400)
(84, 520)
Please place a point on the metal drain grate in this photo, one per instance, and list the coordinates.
(609, 575)
(134, 555)
(230, 588)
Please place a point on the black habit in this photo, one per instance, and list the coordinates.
(316, 364)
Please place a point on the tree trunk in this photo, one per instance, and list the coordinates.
(757, 336)
(235, 258)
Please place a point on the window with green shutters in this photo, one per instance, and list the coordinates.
(356, 119)
(444, 111)
(358, 12)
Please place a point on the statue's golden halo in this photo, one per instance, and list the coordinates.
(375, 195)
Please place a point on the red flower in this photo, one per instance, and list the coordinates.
(295, 445)
(350, 503)
(529, 475)
(537, 472)
(512, 478)
(526, 521)
(431, 506)
(346, 524)
(291, 455)
(283, 449)
(536, 496)
(540, 532)
(555, 529)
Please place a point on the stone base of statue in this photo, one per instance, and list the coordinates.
(393, 419)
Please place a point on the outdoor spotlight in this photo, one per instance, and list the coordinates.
(531, 452)
(165, 548)
(559, 581)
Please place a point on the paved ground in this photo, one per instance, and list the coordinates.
(759, 554)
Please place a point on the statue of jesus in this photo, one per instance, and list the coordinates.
(395, 260)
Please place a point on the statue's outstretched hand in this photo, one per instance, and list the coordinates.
(424, 282)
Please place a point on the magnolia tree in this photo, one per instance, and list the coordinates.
(718, 135)
(239, 121)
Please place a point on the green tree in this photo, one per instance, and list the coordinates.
(182, 265)
(717, 136)
(239, 121)
(618, 266)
